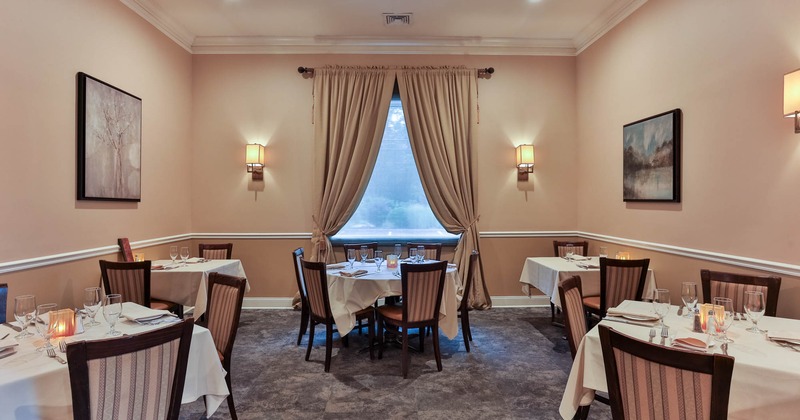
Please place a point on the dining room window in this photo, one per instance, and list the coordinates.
(394, 207)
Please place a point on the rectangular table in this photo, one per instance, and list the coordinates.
(349, 295)
(544, 274)
(33, 386)
(188, 284)
(766, 376)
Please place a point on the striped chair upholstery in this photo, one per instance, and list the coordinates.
(580, 248)
(731, 285)
(433, 251)
(225, 296)
(647, 381)
(131, 377)
(216, 251)
(371, 248)
(572, 305)
(619, 280)
(422, 287)
(316, 286)
(132, 281)
(297, 256)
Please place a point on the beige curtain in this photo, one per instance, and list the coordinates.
(440, 106)
(350, 109)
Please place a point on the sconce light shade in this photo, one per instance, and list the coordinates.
(524, 161)
(791, 97)
(254, 159)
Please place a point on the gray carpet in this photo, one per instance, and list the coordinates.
(517, 369)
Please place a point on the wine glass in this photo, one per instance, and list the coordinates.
(378, 259)
(364, 254)
(689, 297)
(421, 253)
(43, 325)
(603, 252)
(569, 252)
(754, 306)
(398, 250)
(24, 310)
(661, 304)
(351, 257)
(92, 300)
(412, 255)
(173, 253)
(112, 309)
(184, 254)
(723, 318)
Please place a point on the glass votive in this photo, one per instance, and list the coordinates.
(391, 261)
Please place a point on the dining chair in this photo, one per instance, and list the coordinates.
(620, 280)
(225, 295)
(651, 381)
(580, 248)
(731, 285)
(422, 286)
(371, 248)
(433, 250)
(3, 301)
(216, 251)
(463, 307)
(297, 257)
(316, 284)
(137, 376)
(125, 248)
(132, 281)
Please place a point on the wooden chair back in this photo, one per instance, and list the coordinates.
(316, 284)
(3, 301)
(580, 248)
(621, 280)
(297, 257)
(216, 251)
(422, 287)
(224, 307)
(371, 248)
(473, 267)
(129, 279)
(570, 292)
(731, 285)
(433, 250)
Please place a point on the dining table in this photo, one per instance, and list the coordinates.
(545, 273)
(349, 295)
(187, 283)
(35, 386)
(766, 376)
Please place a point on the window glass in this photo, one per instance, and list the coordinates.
(394, 207)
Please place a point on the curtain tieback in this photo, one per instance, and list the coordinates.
(318, 235)
(472, 223)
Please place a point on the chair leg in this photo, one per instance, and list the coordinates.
(310, 338)
(231, 407)
(436, 348)
(328, 346)
(303, 323)
(379, 324)
(582, 413)
(422, 339)
(371, 336)
(404, 359)
(465, 330)
(552, 312)
(469, 328)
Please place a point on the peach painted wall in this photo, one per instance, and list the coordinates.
(722, 63)
(44, 44)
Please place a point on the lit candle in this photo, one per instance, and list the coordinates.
(62, 323)
(623, 255)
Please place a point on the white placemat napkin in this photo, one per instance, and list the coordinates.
(784, 335)
(633, 315)
(139, 313)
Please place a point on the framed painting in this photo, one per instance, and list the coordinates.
(651, 158)
(109, 130)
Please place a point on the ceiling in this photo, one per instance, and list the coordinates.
(485, 27)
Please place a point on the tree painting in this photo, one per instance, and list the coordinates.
(650, 159)
(112, 149)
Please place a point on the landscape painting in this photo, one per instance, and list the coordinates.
(109, 142)
(651, 158)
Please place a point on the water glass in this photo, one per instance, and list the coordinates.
(724, 318)
(92, 300)
(412, 255)
(603, 252)
(184, 254)
(569, 252)
(24, 311)
(43, 324)
(364, 254)
(173, 253)
(689, 297)
(421, 253)
(661, 303)
(378, 259)
(351, 257)
(112, 309)
(755, 306)
(398, 250)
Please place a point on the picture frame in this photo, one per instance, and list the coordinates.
(651, 147)
(109, 137)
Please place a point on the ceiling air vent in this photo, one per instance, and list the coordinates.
(397, 19)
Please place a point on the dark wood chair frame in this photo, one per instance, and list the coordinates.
(611, 262)
(140, 265)
(328, 320)
(772, 283)
(463, 308)
(428, 245)
(297, 256)
(81, 352)
(125, 248)
(404, 325)
(717, 365)
(228, 247)
(370, 245)
(239, 283)
(584, 245)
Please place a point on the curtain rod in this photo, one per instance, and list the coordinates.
(485, 73)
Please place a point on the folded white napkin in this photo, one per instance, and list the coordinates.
(692, 342)
(587, 265)
(451, 265)
(580, 258)
(784, 335)
(353, 273)
(8, 342)
(195, 260)
(8, 351)
(139, 313)
(632, 315)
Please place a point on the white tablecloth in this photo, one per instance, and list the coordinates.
(349, 295)
(766, 376)
(188, 284)
(544, 273)
(33, 386)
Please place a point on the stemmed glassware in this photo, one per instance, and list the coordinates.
(661, 304)
(351, 257)
(398, 250)
(754, 306)
(92, 300)
(112, 309)
(173, 253)
(421, 254)
(412, 255)
(689, 297)
(43, 324)
(378, 259)
(24, 311)
(184, 254)
(364, 254)
(569, 252)
(724, 319)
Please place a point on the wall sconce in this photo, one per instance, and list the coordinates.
(791, 97)
(254, 159)
(524, 161)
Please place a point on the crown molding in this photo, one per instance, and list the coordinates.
(604, 23)
(161, 21)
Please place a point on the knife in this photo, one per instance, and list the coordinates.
(627, 321)
(13, 327)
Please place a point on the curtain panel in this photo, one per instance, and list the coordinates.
(440, 105)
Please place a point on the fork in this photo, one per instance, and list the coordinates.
(51, 352)
(62, 346)
(664, 334)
